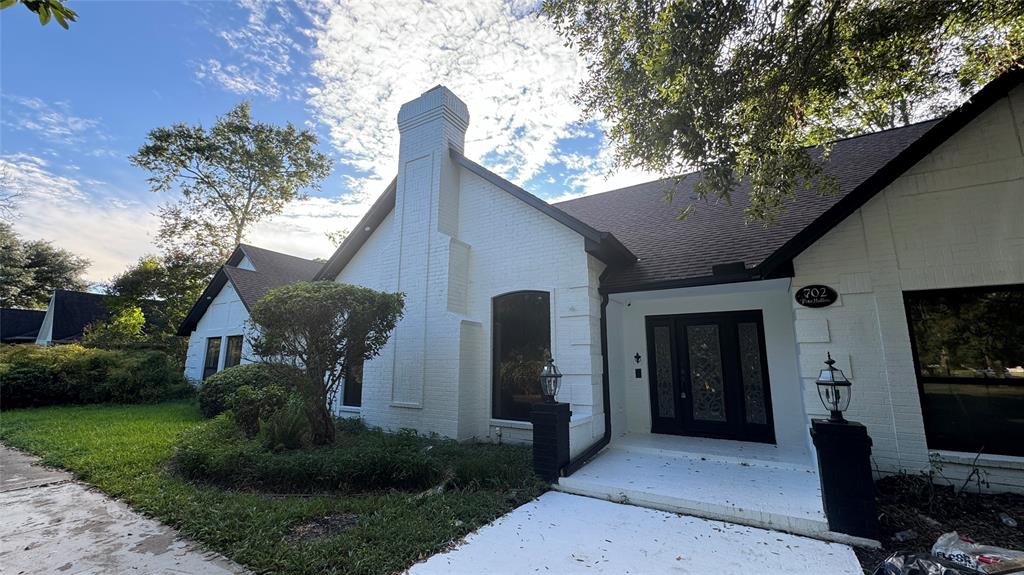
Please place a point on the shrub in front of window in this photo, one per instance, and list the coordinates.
(321, 328)
(216, 389)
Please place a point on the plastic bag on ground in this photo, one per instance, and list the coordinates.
(985, 559)
(920, 564)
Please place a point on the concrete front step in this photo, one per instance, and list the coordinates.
(775, 496)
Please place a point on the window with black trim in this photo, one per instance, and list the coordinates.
(352, 385)
(521, 346)
(212, 356)
(233, 353)
(968, 349)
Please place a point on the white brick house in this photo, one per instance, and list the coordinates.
(683, 339)
(935, 205)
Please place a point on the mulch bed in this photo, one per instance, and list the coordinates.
(907, 502)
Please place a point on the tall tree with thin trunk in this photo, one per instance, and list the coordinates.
(230, 177)
(739, 88)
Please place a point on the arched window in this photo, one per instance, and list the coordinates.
(522, 343)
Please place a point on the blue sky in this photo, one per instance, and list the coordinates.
(75, 104)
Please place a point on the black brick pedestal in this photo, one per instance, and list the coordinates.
(847, 486)
(550, 439)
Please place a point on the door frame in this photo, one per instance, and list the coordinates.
(736, 427)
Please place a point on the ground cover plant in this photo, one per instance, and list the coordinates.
(33, 375)
(126, 451)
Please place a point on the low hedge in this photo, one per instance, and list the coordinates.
(35, 376)
(216, 389)
(361, 460)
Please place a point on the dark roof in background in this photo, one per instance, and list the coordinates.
(20, 325)
(73, 310)
(671, 249)
(273, 269)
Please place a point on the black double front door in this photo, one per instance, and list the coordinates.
(709, 376)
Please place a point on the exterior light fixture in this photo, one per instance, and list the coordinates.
(834, 390)
(550, 379)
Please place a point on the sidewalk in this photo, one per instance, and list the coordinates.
(52, 524)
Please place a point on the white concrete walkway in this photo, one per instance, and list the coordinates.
(52, 524)
(568, 534)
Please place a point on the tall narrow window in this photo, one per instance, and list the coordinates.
(352, 390)
(212, 356)
(233, 354)
(522, 343)
(969, 353)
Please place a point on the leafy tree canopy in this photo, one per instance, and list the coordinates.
(31, 270)
(230, 177)
(123, 329)
(322, 327)
(738, 88)
(165, 286)
(46, 9)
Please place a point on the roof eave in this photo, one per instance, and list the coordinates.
(887, 174)
(362, 232)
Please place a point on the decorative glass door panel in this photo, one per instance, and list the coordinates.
(709, 376)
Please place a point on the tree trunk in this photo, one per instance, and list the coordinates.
(320, 419)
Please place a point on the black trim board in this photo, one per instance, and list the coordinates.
(915, 152)
(203, 303)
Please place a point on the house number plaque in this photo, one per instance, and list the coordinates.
(816, 296)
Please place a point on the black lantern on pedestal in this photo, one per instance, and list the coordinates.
(834, 390)
(550, 380)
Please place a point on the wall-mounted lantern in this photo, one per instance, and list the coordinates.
(834, 390)
(550, 380)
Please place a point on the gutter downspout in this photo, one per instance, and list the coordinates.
(580, 460)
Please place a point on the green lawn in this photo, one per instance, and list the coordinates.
(123, 450)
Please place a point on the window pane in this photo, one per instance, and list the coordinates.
(751, 369)
(352, 390)
(663, 372)
(706, 382)
(212, 356)
(968, 333)
(522, 343)
(233, 354)
(969, 347)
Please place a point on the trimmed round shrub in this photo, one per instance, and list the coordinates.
(216, 389)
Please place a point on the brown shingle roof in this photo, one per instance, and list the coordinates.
(670, 249)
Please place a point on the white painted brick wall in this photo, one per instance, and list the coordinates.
(475, 242)
(956, 219)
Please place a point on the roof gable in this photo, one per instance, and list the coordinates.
(272, 269)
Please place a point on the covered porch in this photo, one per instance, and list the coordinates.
(708, 410)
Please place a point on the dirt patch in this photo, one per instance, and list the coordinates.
(323, 527)
(913, 512)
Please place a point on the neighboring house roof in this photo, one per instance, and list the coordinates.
(272, 269)
(20, 325)
(679, 253)
(72, 311)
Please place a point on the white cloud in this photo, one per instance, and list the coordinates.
(264, 51)
(59, 208)
(505, 61)
(51, 121)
